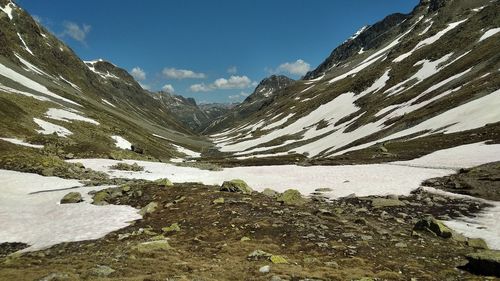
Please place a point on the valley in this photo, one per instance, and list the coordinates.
(382, 163)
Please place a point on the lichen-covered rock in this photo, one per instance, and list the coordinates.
(172, 228)
(164, 182)
(432, 225)
(291, 197)
(258, 255)
(477, 243)
(149, 208)
(276, 259)
(486, 262)
(219, 200)
(152, 246)
(236, 185)
(72, 197)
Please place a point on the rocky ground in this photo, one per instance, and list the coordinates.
(197, 232)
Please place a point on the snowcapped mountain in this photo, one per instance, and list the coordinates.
(46, 89)
(264, 94)
(403, 87)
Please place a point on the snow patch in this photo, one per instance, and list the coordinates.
(67, 116)
(49, 128)
(21, 142)
(489, 33)
(24, 44)
(122, 143)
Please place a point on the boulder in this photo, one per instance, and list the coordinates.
(153, 246)
(236, 185)
(432, 225)
(101, 197)
(270, 192)
(477, 243)
(291, 197)
(486, 262)
(149, 208)
(72, 197)
(164, 182)
(101, 271)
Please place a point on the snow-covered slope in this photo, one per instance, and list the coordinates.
(426, 80)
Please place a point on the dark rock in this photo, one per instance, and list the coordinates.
(72, 197)
(485, 262)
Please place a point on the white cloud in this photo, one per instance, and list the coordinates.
(234, 82)
(73, 30)
(168, 88)
(299, 67)
(138, 73)
(182, 74)
(239, 97)
(200, 88)
(232, 70)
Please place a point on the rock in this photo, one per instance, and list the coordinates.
(276, 259)
(258, 255)
(219, 200)
(164, 182)
(48, 172)
(269, 192)
(477, 243)
(101, 197)
(486, 262)
(72, 197)
(135, 148)
(401, 245)
(56, 277)
(101, 271)
(384, 202)
(291, 197)
(244, 238)
(432, 225)
(149, 208)
(323, 189)
(265, 269)
(236, 185)
(153, 246)
(172, 228)
(69, 156)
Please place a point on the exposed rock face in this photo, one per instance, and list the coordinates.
(268, 86)
(485, 262)
(432, 225)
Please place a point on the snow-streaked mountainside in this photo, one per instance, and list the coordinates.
(45, 88)
(415, 82)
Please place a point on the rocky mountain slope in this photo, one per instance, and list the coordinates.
(264, 94)
(403, 87)
(54, 104)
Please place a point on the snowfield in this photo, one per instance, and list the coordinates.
(398, 178)
(122, 143)
(31, 216)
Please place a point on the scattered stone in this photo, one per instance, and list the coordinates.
(127, 167)
(401, 245)
(149, 208)
(265, 269)
(56, 277)
(101, 271)
(384, 202)
(244, 238)
(219, 200)
(153, 246)
(291, 197)
(164, 182)
(432, 225)
(172, 228)
(72, 197)
(236, 185)
(486, 262)
(333, 264)
(477, 243)
(270, 192)
(258, 255)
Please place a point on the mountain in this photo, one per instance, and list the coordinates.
(398, 89)
(50, 97)
(264, 94)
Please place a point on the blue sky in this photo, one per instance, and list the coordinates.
(214, 51)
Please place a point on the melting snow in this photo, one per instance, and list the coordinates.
(25, 81)
(40, 221)
(489, 33)
(122, 143)
(21, 142)
(30, 66)
(24, 43)
(49, 128)
(14, 91)
(8, 9)
(64, 115)
(108, 103)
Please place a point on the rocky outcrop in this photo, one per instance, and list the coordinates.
(236, 185)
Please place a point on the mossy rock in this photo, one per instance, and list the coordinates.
(270, 192)
(277, 259)
(153, 246)
(172, 228)
(72, 197)
(101, 198)
(236, 185)
(291, 197)
(477, 243)
(164, 182)
(149, 208)
(432, 225)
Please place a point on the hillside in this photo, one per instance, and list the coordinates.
(401, 88)
(51, 98)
